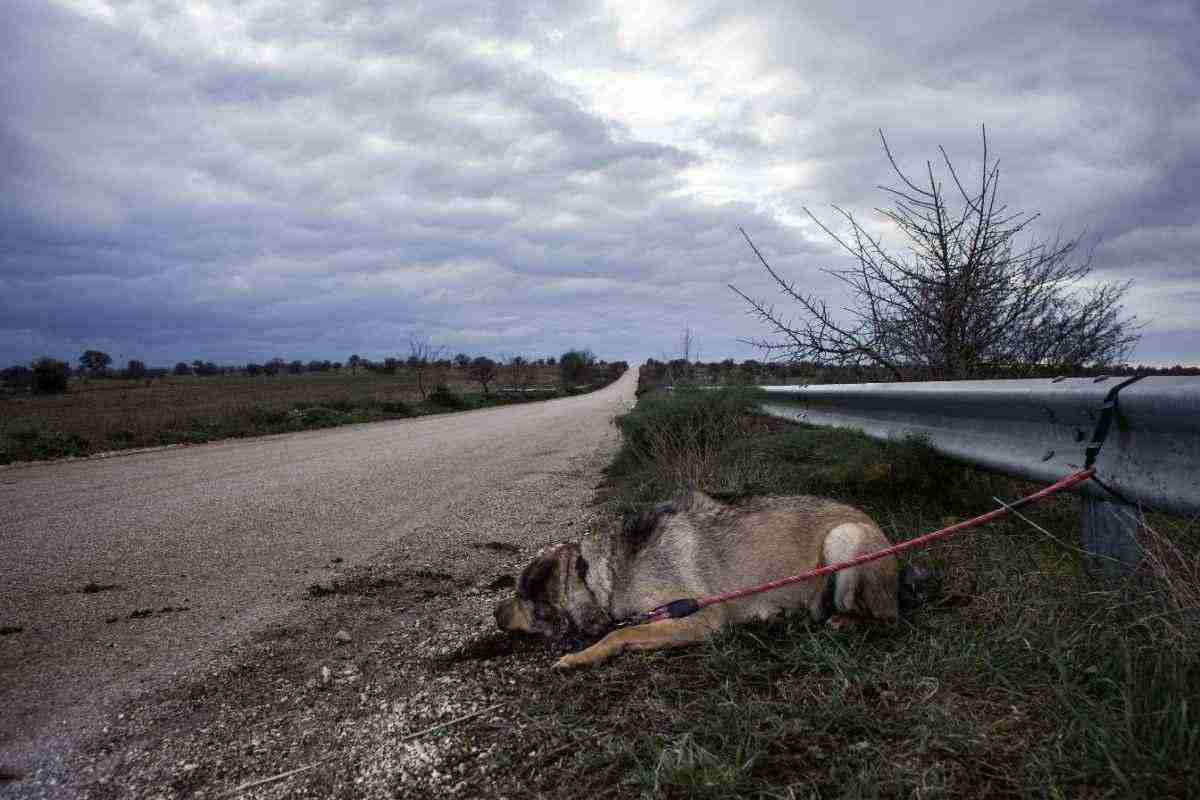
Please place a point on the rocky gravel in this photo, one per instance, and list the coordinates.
(330, 635)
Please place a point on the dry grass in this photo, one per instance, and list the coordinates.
(1171, 562)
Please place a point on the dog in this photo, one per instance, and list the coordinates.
(695, 546)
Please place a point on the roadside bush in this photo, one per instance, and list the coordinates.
(444, 397)
(322, 417)
(268, 418)
(397, 408)
(31, 442)
(342, 404)
(49, 376)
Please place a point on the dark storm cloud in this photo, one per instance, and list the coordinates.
(263, 179)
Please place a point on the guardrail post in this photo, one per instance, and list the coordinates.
(1108, 536)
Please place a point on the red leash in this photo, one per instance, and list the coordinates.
(687, 606)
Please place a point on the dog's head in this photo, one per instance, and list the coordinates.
(553, 598)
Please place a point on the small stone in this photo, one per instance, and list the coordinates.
(342, 637)
(326, 676)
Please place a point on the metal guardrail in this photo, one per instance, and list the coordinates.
(1037, 429)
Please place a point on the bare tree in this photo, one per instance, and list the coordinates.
(967, 300)
(421, 360)
(483, 371)
(521, 371)
(681, 370)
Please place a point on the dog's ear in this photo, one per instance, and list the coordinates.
(533, 579)
(637, 526)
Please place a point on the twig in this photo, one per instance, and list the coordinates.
(455, 721)
(1051, 536)
(410, 737)
(280, 776)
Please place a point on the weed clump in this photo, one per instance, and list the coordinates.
(396, 408)
(689, 439)
(443, 396)
(32, 442)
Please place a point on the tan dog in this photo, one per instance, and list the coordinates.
(696, 546)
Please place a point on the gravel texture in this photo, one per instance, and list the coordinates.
(186, 621)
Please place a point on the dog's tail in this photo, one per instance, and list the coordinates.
(869, 590)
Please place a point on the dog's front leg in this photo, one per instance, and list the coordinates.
(651, 636)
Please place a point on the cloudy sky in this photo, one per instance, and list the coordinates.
(239, 179)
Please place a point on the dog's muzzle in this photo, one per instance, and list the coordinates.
(511, 615)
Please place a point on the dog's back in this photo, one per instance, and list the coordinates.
(735, 547)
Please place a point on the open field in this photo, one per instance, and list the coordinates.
(98, 415)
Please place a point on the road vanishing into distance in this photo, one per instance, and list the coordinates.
(122, 574)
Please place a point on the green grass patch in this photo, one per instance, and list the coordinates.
(32, 442)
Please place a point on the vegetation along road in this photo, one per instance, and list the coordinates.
(124, 576)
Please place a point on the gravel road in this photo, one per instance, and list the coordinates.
(127, 576)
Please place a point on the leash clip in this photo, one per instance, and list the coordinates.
(676, 609)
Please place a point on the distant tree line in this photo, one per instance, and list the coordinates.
(426, 362)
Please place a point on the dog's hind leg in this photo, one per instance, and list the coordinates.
(868, 590)
(651, 636)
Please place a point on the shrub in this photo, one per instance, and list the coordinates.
(397, 408)
(575, 366)
(342, 404)
(266, 417)
(322, 417)
(49, 376)
(16, 376)
(444, 397)
(34, 443)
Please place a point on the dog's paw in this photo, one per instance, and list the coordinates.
(569, 661)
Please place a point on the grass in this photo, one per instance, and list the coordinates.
(100, 415)
(1023, 677)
